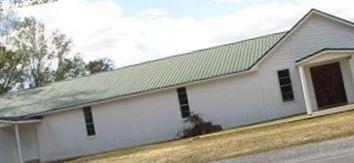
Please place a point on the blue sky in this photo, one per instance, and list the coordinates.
(133, 31)
(197, 8)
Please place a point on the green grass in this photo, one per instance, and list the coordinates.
(236, 142)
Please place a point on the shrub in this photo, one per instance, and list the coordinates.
(199, 127)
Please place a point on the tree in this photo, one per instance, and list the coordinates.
(11, 70)
(8, 22)
(100, 65)
(42, 57)
(70, 68)
(9, 5)
(40, 51)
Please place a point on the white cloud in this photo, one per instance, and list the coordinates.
(100, 29)
(154, 13)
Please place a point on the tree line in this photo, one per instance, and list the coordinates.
(32, 56)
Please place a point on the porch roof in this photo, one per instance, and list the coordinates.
(312, 56)
(7, 123)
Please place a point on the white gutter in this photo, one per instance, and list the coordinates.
(21, 122)
(4, 124)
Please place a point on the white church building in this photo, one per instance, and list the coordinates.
(303, 70)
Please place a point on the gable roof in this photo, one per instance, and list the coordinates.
(298, 24)
(167, 72)
(148, 76)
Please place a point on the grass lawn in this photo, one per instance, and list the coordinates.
(236, 142)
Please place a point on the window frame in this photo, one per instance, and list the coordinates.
(286, 85)
(183, 102)
(89, 121)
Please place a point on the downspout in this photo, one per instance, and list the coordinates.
(18, 142)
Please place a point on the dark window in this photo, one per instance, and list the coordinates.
(183, 102)
(90, 126)
(285, 85)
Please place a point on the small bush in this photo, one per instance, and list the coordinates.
(199, 127)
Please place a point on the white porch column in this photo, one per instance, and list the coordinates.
(305, 89)
(18, 143)
(351, 63)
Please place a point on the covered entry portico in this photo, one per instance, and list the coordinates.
(19, 141)
(327, 79)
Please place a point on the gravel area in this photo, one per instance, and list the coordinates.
(339, 151)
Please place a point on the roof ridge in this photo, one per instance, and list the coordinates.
(146, 62)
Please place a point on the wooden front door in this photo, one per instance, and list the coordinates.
(328, 84)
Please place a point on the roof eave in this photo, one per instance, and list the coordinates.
(67, 108)
(312, 56)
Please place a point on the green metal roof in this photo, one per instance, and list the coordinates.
(152, 75)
